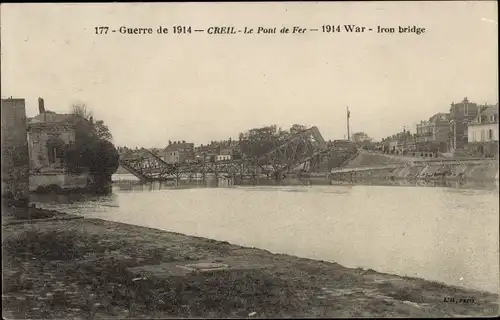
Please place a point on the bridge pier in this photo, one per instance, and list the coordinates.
(279, 176)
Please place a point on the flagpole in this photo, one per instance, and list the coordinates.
(348, 116)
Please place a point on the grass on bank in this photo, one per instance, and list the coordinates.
(104, 284)
(79, 268)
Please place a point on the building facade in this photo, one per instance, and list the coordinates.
(15, 153)
(390, 144)
(434, 133)
(49, 135)
(208, 152)
(424, 131)
(461, 115)
(179, 152)
(485, 126)
(440, 124)
(172, 157)
(223, 157)
(483, 133)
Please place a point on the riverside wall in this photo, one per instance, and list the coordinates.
(474, 170)
(61, 180)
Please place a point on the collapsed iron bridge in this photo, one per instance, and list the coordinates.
(302, 148)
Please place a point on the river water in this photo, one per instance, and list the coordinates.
(445, 234)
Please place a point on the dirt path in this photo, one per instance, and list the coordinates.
(89, 268)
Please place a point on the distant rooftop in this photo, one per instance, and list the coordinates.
(490, 110)
(177, 145)
(12, 99)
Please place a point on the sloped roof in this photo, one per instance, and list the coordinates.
(437, 115)
(178, 146)
(490, 110)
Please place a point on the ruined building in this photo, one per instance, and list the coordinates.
(49, 133)
(15, 156)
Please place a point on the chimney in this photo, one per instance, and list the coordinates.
(41, 106)
(169, 142)
(183, 141)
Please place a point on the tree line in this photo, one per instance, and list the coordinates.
(258, 141)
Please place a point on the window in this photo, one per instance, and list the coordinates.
(474, 136)
(54, 154)
(482, 135)
(55, 150)
(490, 134)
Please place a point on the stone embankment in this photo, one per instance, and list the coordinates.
(95, 269)
(373, 159)
(378, 166)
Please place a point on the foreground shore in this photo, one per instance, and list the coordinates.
(90, 268)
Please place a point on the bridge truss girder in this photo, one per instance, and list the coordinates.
(298, 149)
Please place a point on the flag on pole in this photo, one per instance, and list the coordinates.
(348, 113)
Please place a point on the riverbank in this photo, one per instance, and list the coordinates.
(21, 214)
(99, 269)
(481, 171)
(370, 159)
(376, 167)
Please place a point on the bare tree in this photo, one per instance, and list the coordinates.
(81, 110)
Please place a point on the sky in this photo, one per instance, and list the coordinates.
(197, 87)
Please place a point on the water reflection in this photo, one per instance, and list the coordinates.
(437, 233)
(129, 181)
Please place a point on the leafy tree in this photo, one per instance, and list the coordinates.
(92, 149)
(297, 128)
(360, 137)
(258, 141)
(98, 156)
(102, 130)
